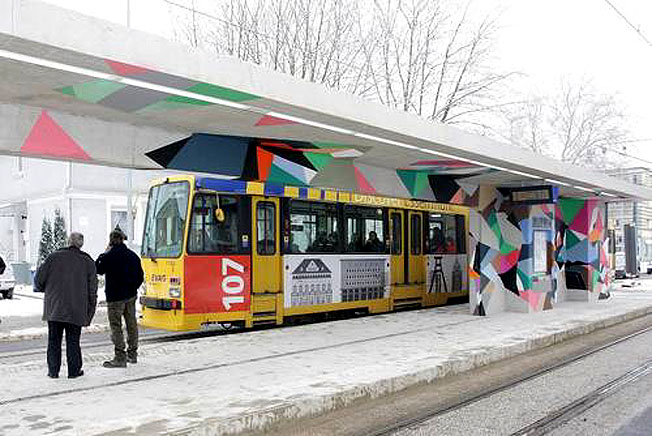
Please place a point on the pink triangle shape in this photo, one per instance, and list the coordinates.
(581, 221)
(363, 184)
(268, 120)
(47, 138)
(125, 69)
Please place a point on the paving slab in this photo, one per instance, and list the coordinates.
(250, 380)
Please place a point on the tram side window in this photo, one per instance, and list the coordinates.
(313, 228)
(397, 233)
(446, 234)
(415, 234)
(364, 230)
(265, 226)
(209, 236)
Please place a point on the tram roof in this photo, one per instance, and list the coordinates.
(108, 94)
(318, 194)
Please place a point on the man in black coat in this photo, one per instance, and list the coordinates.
(69, 281)
(124, 275)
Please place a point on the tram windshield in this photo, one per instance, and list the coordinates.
(165, 221)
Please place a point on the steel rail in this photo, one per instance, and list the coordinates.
(415, 421)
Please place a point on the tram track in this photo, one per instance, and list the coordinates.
(553, 419)
(144, 339)
(227, 364)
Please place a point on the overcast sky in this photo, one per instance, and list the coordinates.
(546, 40)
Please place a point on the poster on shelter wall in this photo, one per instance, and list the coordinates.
(446, 273)
(325, 279)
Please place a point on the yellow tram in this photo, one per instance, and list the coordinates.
(237, 252)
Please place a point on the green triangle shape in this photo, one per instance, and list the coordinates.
(571, 239)
(594, 279)
(220, 92)
(187, 100)
(409, 179)
(421, 182)
(68, 90)
(569, 208)
(492, 220)
(319, 160)
(505, 248)
(525, 278)
(94, 91)
(163, 106)
(277, 175)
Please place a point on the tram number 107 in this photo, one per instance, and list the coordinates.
(233, 283)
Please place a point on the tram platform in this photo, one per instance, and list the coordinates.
(248, 381)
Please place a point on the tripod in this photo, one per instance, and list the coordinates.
(438, 276)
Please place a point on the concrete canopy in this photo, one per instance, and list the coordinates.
(83, 89)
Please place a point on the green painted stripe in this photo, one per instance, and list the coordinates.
(221, 92)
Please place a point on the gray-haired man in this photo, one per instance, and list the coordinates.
(69, 281)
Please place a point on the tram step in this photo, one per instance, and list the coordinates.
(402, 303)
(271, 315)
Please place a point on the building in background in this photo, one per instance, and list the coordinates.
(93, 200)
(636, 213)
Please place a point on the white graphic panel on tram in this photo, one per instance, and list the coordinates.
(446, 273)
(325, 279)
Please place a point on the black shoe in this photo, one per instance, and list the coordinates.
(115, 364)
(53, 375)
(79, 374)
(133, 359)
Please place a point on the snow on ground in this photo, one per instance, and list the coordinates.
(241, 379)
(24, 303)
(21, 317)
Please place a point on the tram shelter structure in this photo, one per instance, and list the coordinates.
(85, 90)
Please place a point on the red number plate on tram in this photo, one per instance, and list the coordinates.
(217, 284)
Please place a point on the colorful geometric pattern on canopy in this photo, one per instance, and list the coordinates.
(268, 120)
(128, 98)
(48, 139)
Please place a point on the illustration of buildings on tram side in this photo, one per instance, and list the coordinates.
(446, 273)
(311, 283)
(363, 279)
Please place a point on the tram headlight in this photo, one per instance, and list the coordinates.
(175, 292)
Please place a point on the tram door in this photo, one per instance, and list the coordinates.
(416, 268)
(397, 247)
(265, 249)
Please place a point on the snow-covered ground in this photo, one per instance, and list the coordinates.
(25, 303)
(21, 316)
(246, 380)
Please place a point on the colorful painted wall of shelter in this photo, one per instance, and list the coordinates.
(581, 244)
(527, 258)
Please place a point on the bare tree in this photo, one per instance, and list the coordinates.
(575, 124)
(429, 57)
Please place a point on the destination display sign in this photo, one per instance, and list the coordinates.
(534, 195)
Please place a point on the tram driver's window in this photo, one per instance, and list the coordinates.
(206, 234)
(265, 228)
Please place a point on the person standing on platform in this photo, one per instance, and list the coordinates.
(124, 275)
(68, 279)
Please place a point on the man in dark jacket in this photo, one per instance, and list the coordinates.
(124, 275)
(69, 281)
(2, 266)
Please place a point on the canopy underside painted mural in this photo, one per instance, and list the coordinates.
(117, 94)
